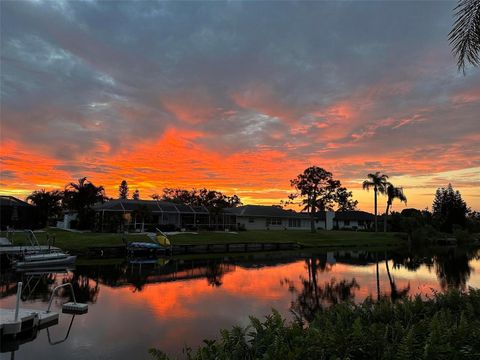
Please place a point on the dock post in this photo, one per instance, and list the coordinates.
(19, 295)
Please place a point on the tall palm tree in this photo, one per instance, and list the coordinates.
(47, 203)
(80, 197)
(392, 194)
(379, 183)
(465, 35)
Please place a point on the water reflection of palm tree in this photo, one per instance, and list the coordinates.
(311, 297)
(395, 294)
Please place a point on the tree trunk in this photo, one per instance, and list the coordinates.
(378, 279)
(386, 217)
(312, 220)
(375, 202)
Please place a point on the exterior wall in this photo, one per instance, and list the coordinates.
(350, 225)
(330, 215)
(260, 223)
(67, 219)
(353, 224)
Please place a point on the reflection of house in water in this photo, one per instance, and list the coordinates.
(331, 258)
(139, 274)
(360, 257)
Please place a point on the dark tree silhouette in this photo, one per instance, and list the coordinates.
(136, 195)
(392, 194)
(123, 190)
(344, 199)
(48, 203)
(80, 197)
(465, 34)
(449, 208)
(317, 189)
(453, 270)
(214, 201)
(379, 184)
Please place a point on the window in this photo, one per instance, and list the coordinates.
(251, 219)
(346, 222)
(294, 223)
(274, 221)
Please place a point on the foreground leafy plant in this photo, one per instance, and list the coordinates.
(447, 326)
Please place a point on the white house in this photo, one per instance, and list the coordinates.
(258, 217)
(353, 220)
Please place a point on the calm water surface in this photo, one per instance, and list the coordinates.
(170, 304)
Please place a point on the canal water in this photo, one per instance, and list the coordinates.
(169, 304)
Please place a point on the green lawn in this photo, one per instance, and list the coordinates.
(77, 241)
(81, 241)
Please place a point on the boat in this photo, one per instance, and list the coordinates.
(160, 244)
(39, 257)
(45, 260)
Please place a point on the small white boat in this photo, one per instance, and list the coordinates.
(45, 259)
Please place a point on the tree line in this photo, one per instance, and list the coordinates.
(81, 196)
(318, 191)
(315, 190)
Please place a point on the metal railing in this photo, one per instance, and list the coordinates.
(53, 294)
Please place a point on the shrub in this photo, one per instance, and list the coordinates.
(446, 326)
(463, 236)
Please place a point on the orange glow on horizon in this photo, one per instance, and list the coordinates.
(177, 159)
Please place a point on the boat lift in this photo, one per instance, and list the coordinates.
(20, 320)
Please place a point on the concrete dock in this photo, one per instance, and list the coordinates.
(27, 319)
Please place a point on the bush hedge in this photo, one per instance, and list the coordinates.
(446, 326)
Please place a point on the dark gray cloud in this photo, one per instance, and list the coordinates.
(248, 75)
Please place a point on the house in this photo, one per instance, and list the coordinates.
(17, 213)
(259, 217)
(353, 220)
(146, 215)
(69, 216)
(140, 215)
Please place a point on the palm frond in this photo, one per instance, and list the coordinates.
(465, 34)
(366, 185)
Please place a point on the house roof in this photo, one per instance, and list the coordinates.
(268, 211)
(353, 215)
(6, 200)
(155, 206)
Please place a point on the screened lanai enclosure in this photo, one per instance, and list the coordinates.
(147, 215)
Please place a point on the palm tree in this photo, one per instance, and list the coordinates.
(392, 194)
(379, 183)
(80, 197)
(47, 203)
(465, 35)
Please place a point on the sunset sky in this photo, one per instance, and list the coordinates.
(236, 96)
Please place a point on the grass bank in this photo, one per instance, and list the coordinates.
(74, 241)
(445, 327)
(304, 238)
